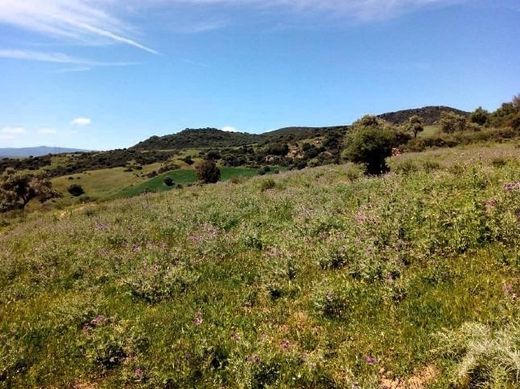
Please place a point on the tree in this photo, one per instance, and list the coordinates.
(415, 125)
(17, 189)
(451, 122)
(208, 172)
(370, 146)
(75, 190)
(480, 116)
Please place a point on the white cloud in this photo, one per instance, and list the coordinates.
(81, 20)
(81, 121)
(9, 133)
(47, 131)
(229, 129)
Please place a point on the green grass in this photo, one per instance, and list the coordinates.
(429, 131)
(182, 177)
(317, 279)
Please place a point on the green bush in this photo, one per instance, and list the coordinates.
(75, 190)
(370, 146)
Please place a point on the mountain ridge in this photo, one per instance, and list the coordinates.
(38, 151)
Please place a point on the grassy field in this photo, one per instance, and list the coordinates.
(182, 177)
(318, 278)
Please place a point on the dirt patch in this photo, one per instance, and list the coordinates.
(420, 380)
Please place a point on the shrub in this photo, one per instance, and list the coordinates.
(480, 116)
(333, 260)
(208, 172)
(188, 160)
(267, 184)
(75, 190)
(331, 304)
(451, 122)
(168, 181)
(213, 155)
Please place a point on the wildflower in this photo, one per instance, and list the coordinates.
(253, 359)
(138, 374)
(198, 319)
(370, 360)
(490, 204)
(511, 186)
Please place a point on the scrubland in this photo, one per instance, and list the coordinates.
(320, 278)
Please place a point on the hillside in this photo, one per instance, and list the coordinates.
(429, 115)
(214, 138)
(320, 278)
(25, 152)
(208, 138)
(198, 138)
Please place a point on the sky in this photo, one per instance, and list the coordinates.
(105, 74)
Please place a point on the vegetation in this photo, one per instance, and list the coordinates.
(208, 172)
(318, 278)
(415, 125)
(75, 190)
(17, 189)
(370, 142)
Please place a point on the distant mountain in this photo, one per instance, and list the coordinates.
(430, 115)
(25, 152)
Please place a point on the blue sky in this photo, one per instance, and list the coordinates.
(102, 74)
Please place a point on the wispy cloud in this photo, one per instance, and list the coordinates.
(360, 9)
(72, 19)
(81, 121)
(61, 58)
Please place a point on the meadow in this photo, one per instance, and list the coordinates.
(320, 278)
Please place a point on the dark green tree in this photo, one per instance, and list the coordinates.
(370, 142)
(75, 190)
(208, 172)
(480, 116)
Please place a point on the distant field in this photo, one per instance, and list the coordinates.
(101, 184)
(183, 177)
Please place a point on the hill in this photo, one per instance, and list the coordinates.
(207, 138)
(319, 278)
(198, 138)
(214, 138)
(25, 152)
(429, 115)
